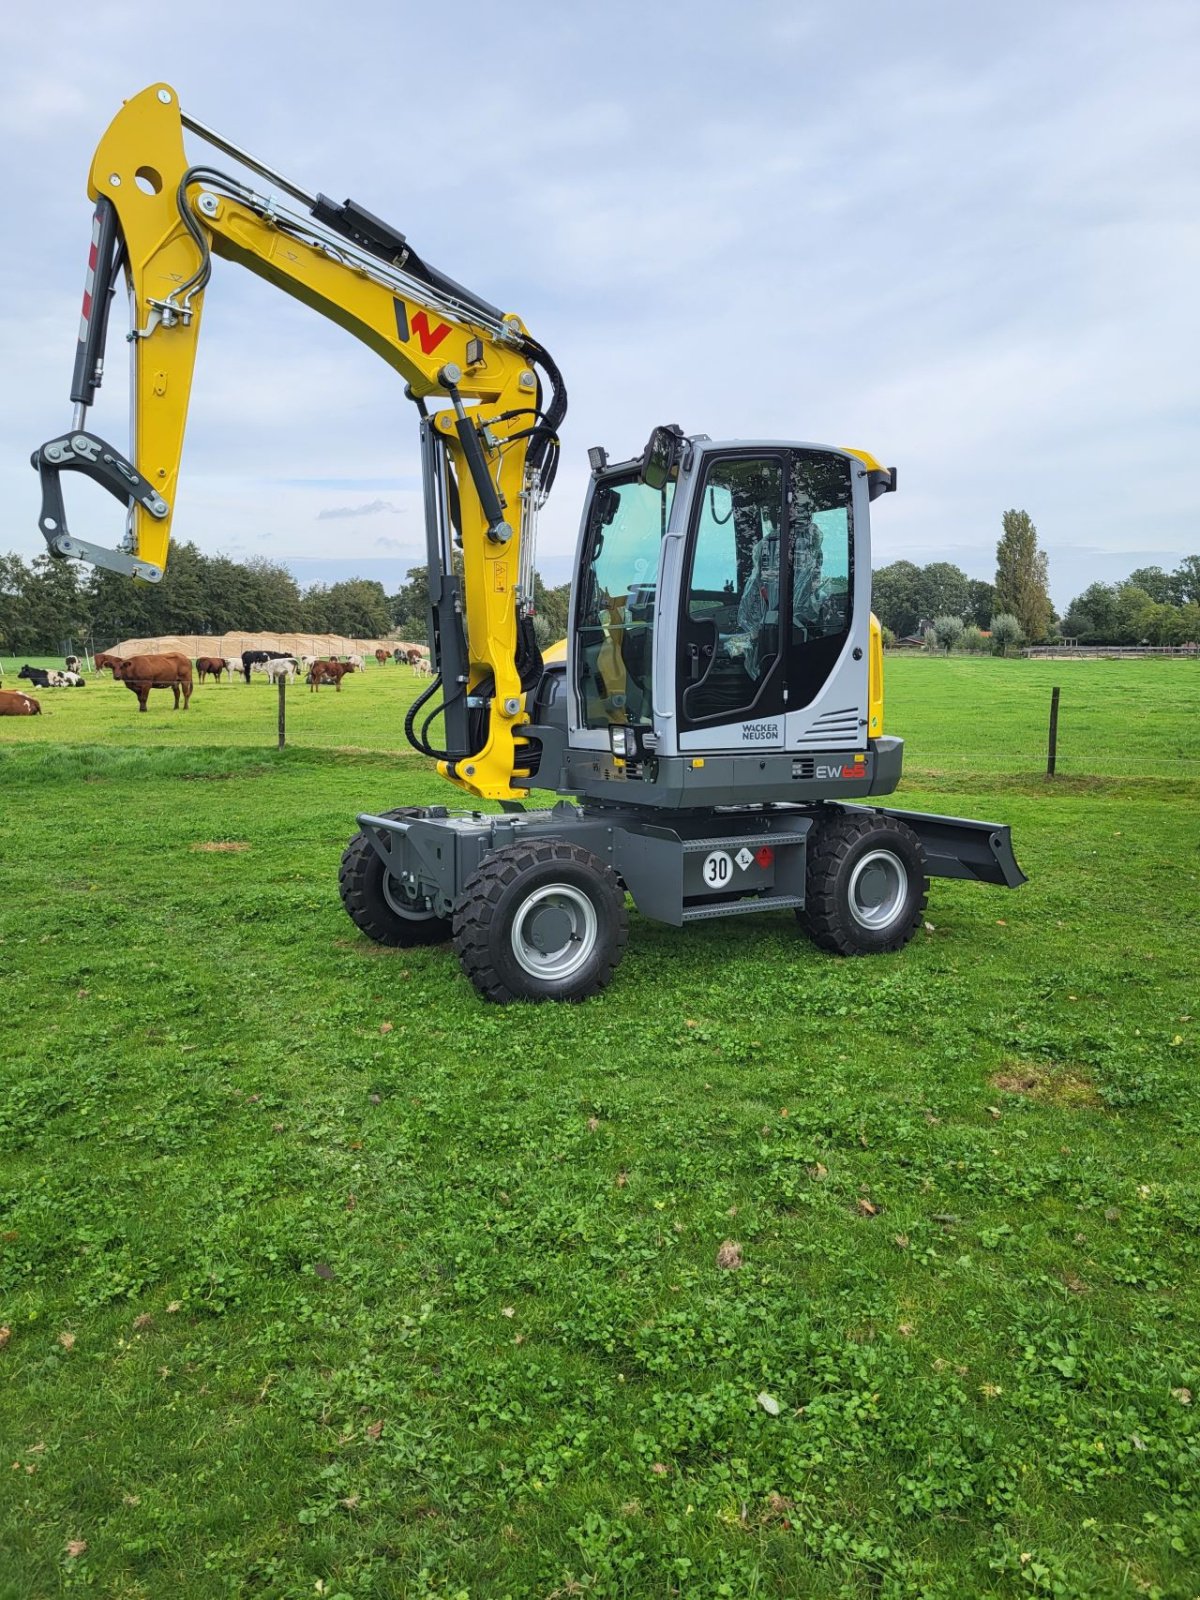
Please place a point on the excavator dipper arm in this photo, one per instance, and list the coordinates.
(159, 220)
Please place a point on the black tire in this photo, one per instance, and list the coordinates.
(374, 906)
(544, 893)
(866, 885)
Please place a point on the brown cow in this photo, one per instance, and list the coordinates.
(381, 656)
(207, 664)
(328, 672)
(102, 661)
(15, 704)
(140, 674)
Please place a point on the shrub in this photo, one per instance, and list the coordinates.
(947, 631)
(1006, 632)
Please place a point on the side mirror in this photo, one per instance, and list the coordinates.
(660, 456)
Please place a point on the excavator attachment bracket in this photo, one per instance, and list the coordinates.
(84, 452)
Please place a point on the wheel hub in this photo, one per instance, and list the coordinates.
(404, 904)
(554, 932)
(878, 889)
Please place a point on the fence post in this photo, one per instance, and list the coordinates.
(1052, 753)
(281, 680)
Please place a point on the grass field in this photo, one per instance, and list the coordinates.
(321, 1277)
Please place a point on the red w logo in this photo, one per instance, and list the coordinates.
(430, 337)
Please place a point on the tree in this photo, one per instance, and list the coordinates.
(357, 607)
(894, 597)
(973, 641)
(947, 631)
(1005, 631)
(981, 602)
(1134, 608)
(410, 605)
(944, 590)
(1092, 616)
(554, 605)
(1022, 576)
(1185, 582)
(43, 606)
(1155, 582)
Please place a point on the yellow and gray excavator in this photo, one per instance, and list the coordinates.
(714, 727)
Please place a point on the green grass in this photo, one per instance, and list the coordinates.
(324, 1278)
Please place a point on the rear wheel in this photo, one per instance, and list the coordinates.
(375, 901)
(866, 885)
(543, 921)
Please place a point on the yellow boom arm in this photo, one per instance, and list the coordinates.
(162, 219)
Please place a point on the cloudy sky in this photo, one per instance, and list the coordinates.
(964, 237)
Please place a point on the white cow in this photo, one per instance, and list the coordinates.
(355, 663)
(281, 667)
(233, 665)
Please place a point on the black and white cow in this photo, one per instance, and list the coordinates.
(251, 658)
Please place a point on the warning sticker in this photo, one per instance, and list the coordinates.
(744, 857)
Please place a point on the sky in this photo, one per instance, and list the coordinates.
(963, 237)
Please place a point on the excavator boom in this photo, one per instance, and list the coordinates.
(489, 457)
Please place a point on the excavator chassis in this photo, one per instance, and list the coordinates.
(536, 899)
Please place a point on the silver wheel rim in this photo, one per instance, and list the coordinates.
(878, 889)
(555, 931)
(411, 910)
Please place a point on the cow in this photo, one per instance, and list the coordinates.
(72, 663)
(252, 658)
(102, 661)
(398, 656)
(381, 656)
(209, 664)
(71, 680)
(282, 667)
(328, 672)
(233, 665)
(355, 663)
(422, 668)
(38, 676)
(15, 704)
(140, 674)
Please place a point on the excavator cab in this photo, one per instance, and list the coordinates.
(722, 608)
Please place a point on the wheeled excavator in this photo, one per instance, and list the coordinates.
(713, 728)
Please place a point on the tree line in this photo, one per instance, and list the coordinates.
(46, 603)
(951, 611)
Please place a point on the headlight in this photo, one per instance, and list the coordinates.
(622, 741)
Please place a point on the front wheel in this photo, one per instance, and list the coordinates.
(866, 884)
(543, 921)
(377, 903)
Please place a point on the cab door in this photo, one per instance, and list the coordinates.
(774, 603)
(730, 657)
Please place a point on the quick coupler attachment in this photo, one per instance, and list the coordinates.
(80, 451)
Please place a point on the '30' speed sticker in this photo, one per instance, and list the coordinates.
(718, 869)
